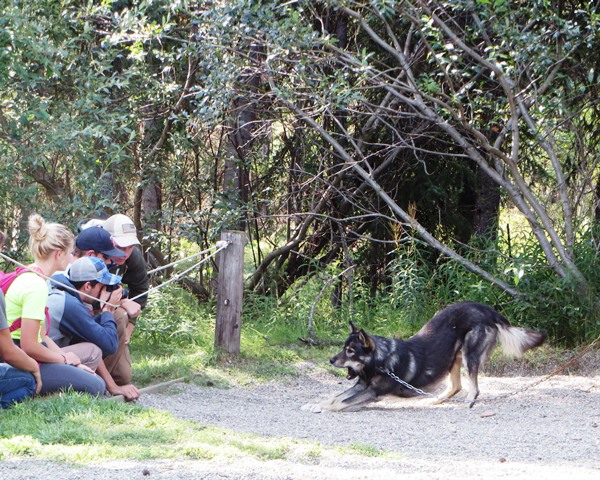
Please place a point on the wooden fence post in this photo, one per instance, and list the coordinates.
(230, 285)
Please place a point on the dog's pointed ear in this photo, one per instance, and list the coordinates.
(366, 341)
(353, 329)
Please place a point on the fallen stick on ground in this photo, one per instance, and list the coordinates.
(150, 388)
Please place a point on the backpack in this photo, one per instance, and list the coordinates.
(6, 280)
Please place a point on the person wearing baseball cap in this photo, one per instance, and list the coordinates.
(72, 321)
(122, 229)
(96, 242)
(132, 267)
(92, 269)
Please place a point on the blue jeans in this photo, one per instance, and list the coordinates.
(57, 377)
(15, 385)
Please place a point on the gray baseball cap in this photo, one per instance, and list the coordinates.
(88, 269)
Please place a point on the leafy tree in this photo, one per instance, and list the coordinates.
(488, 84)
(335, 132)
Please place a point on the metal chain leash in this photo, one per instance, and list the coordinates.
(396, 378)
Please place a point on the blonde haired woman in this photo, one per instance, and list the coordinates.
(51, 245)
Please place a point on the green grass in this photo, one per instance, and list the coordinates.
(80, 430)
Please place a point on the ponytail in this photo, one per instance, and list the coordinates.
(46, 237)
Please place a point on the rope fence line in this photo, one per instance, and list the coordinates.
(220, 245)
(48, 279)
(149, 389)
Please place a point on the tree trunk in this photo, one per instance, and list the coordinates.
(152, 204)
(236, 177)
(487, 205)
(597, 202)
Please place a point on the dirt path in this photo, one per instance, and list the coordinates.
(550, 431)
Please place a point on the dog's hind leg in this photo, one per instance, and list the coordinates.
(473, 385)
(454, 376)
(477, 348)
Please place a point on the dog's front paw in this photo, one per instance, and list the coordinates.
(312, 407)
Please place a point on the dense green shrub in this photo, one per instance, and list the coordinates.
(174, 319)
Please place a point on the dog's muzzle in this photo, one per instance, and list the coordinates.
(351, 373)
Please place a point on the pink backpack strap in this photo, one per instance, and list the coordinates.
(15, 325)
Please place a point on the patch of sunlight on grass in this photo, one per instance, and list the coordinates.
(78, 429)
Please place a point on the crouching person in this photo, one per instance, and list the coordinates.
(72, 320)
(20, 375)
(26, 299)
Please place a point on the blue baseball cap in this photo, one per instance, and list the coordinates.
(88, 269)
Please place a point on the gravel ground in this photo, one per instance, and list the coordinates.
(549, 431)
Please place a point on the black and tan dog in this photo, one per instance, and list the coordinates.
(463, 333)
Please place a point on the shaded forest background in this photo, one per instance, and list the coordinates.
(380, 155)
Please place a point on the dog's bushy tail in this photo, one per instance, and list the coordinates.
(515, 340)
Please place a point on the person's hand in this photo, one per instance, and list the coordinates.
(109, 299)
(85, 368)
(38, 380)
(115, 296)
(129, 392)
(72, 358)
(128, 332)
(132, 308)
